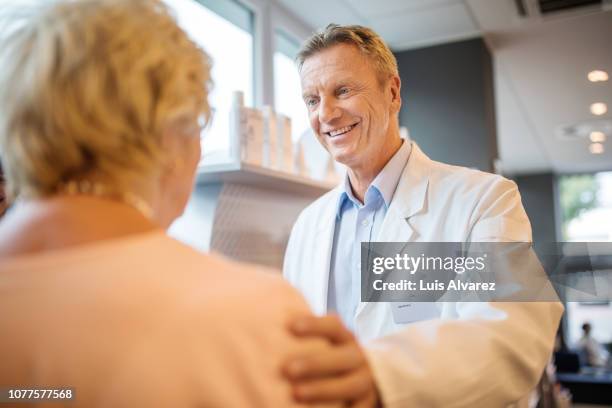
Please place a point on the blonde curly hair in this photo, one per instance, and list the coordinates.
(87, 86)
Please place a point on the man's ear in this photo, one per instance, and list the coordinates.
(395, 86)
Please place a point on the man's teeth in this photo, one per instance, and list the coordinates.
(341, 130)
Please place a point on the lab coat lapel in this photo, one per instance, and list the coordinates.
(322, 259)
(409, 199)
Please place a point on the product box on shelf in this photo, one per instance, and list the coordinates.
(246, 132)
(284, 144)
(270, 140)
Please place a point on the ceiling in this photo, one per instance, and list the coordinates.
(403, 24)
(541, 64)
(541, 68)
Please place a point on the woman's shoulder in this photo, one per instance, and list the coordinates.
(211, 277)
(149, 263)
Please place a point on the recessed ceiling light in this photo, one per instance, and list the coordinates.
(598, 76)
(596, 148)
(599, 108)
(598, 137)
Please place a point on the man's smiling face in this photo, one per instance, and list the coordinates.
(350, 111)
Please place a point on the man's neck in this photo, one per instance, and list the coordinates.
(361, 177)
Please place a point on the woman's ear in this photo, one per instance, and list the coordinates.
(171, 152)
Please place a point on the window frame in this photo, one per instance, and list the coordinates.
(267, 16)
(291, 27)
(256, 10)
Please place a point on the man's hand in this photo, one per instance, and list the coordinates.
(341, 374)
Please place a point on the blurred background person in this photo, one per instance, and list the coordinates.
(594, 353)
(101, 107)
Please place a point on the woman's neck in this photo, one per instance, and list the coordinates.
(68, 220)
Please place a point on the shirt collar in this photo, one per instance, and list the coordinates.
(384, 183)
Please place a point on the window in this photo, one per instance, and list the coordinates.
(586, 208)
(287, 86)
(224, 29)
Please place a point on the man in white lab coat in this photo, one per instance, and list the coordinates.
(468, 354)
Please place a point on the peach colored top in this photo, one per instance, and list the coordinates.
(146, 321)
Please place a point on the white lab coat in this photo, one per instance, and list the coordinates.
(475, 354)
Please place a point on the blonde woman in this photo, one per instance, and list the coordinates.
(101, 107)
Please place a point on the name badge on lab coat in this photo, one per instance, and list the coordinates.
(413, 311)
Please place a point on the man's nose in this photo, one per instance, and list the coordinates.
(328, 111)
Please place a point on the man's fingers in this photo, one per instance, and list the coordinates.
(347, 387)
(329, 327)
(337, 375)
(335, 361)
(369, 400)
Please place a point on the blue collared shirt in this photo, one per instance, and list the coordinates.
(356, 223)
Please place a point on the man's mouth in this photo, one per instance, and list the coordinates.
(341, 131)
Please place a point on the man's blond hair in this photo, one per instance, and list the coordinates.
(366, 40)
(87, 86)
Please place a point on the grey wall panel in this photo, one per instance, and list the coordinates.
(244, 222)
(448, 102)
(194, 227)
(538, 195)
(253, 224)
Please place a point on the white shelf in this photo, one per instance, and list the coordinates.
(258, 176)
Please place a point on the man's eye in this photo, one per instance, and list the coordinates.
(343, 91)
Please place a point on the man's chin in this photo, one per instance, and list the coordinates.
(343, 157)
(345, 153)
